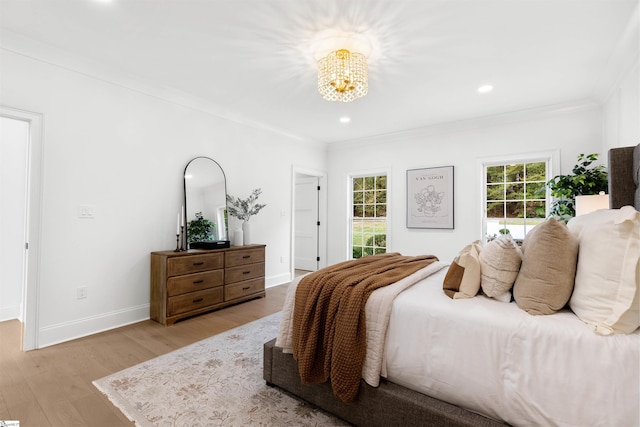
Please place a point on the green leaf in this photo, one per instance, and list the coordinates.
(585, 180)
(243, 209)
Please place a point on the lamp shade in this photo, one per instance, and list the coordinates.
(587, 204)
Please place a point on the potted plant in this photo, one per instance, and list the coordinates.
(244, 209)
(200, 229)
(586, 179)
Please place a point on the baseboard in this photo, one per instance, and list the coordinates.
(9, 313)
(67, 331)
(280, 279)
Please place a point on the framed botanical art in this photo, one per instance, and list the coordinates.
(430, 197)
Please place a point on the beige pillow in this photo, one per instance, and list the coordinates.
(499, 264)
(549, 257)
(605, 294)
(463, 277)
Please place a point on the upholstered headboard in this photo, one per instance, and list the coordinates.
(624, 177)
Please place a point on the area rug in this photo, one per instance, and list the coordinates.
(214, 382)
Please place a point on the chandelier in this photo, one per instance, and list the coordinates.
(343, 76)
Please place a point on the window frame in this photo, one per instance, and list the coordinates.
(551, 158)
(361, 174)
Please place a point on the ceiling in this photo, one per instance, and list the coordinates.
(250, 60)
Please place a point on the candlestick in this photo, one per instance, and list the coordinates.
(177, 240)
(182, 240)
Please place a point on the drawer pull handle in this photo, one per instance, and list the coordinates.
(246, 257)
(198, 300)
(198, 263)
(247, 288)
(195, 282)
(246, 272)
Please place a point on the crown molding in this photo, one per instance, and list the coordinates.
(36, 50)
(471, 124)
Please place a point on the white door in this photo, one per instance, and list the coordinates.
(306, 223)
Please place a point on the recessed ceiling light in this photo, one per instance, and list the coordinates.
(345, 119)
(485, 89)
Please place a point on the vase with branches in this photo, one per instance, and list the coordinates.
(244, 209)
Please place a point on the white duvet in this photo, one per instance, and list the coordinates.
(496, 359)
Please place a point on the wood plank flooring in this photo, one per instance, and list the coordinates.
(52, 386)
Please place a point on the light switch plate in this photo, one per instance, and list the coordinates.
(86, 212)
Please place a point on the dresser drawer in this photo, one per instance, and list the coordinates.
(244, 272)
(194, 282)
(238, 290)
(194, 301)
(192, 264)
(244, 256)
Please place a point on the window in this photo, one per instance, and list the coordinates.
(515, 196)
(369, 215)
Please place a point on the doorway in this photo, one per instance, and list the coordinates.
(20, 185)
(308, 221)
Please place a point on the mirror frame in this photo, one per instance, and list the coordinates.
(211, 244)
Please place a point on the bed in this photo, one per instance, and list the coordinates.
(482, 362)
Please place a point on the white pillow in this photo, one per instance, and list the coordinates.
(499, 266)
(606, 294)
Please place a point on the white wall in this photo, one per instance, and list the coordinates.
(622, 111)
(619, 89)
(123, 152)
(573, 129)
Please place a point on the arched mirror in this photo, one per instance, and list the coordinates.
(205, 204)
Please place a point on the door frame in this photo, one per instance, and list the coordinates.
(31, 295)
(322, 215)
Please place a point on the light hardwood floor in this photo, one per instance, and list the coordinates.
(52, 386)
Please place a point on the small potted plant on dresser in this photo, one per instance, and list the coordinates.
(200, 229)
(244, 209)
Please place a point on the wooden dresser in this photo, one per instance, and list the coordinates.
(187, 283)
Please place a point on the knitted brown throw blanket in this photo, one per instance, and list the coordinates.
(329, 329)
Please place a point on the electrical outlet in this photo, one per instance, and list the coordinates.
(81, 292)
(281, 260)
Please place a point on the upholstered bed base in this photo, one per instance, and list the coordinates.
(386, 405)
